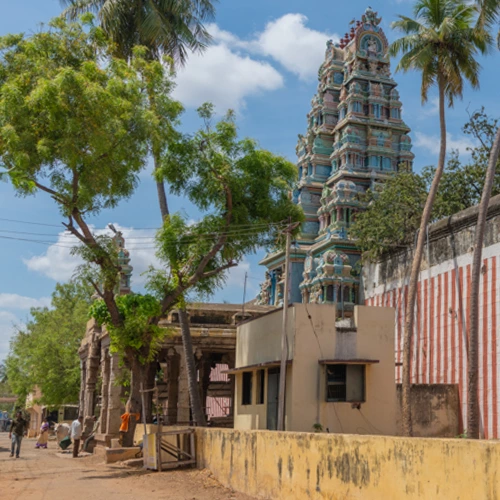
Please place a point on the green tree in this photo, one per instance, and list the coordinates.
(163, 28)
(393, 214)
(44, 353)
(442, 43)
(171, 28)
(75, 123)
(243, 190)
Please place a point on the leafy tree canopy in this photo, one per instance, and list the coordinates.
(136, 336)
(242, 190)
(45, 352)
(394, 209)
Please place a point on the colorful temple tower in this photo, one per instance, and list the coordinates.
(355, 138)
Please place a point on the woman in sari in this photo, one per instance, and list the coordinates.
(44, 435)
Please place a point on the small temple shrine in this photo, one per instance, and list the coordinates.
(355, 139)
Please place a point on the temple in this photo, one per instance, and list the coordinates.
(355, 139)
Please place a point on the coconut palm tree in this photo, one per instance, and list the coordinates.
(165, 27)
(488, 18)
(442, 43)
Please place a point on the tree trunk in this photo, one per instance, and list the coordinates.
(415, 271)
(160, 187)
(134, 404)
(473, 350)
(194, 393)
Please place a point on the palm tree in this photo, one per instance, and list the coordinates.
(489, 15)
(166, 28)
(442, 43)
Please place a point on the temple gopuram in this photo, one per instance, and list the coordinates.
(355, 139)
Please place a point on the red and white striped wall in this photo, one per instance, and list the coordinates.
(439, 347)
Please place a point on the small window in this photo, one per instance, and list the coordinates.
(246, 393)
(345, 383)
(261, 378)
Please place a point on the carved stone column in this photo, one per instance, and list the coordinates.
(115, 407)
(105, 370)
(173, 386)
(183, 406)
(83, 378)
(91, 377)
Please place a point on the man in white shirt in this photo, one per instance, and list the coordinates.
(75, 433)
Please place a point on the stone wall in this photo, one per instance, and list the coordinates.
(435, 410)
(302, 466)
(439, 352)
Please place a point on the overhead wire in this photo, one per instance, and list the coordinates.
(234, 231)
(36, 223)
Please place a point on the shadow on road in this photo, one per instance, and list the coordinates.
(118, 475)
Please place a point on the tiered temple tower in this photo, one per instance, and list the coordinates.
(355, 138)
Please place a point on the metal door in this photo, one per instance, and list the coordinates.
(273, 379)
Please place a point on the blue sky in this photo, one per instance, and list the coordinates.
(263, 64)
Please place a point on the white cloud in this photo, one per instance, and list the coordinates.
(236, 275)
(228, 71)
(8, 325)
(431, 143)
(224, 77)
(14, 301)
(58, 264)
(298, 48)
(431, 108)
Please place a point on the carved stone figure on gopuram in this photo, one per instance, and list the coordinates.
(355, 139)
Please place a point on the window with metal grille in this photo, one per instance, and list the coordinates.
(246, 390)
(345, 383)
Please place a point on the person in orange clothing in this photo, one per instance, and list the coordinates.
(125, 422)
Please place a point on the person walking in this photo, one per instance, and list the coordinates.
(16, 433)
(75, 433)
(43, 438)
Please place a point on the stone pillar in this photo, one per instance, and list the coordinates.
(183, 406)
(115, 406)
(91, 378)
(83, 379)
(173, 386)
(105, 366)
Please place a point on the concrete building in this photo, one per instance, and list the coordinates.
(339, 378)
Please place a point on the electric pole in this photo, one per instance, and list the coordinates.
(244, 297)
(284, 341)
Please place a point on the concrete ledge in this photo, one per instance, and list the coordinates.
(120, 454)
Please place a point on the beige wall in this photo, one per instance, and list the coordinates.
(313, 336)
(303, 466)
(259, 340)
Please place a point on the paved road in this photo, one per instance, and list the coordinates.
(47, 474)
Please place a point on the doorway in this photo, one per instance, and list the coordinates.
(273, 380)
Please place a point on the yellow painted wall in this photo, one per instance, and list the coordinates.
(303, 466)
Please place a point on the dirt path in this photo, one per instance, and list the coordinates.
(49, 475)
